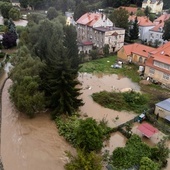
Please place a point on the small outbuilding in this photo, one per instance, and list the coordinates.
(147, 129)
(163, 108)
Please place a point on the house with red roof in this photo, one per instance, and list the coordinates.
(136, 53)
(156, 61)
(144, 26)
(156, 6)
(156, 33)
(95, 29)
(157, 66)
(131, 10)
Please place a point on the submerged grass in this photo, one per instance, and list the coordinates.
(129, 101)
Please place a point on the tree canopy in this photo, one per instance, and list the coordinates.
(166, 33)
(120, 18)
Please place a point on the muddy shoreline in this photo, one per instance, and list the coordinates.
(4, 77)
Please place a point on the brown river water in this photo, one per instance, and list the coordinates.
(34, 144)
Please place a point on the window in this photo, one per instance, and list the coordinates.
(151, 71)
(166, 76)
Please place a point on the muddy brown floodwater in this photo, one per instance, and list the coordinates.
(96, 83)
(30, 144)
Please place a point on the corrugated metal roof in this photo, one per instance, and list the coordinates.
(165, 104)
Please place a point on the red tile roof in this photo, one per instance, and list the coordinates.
(139, 49)
(157, 27)
(130, 9)
(89, 19)
(162, 53)
(87, 43)
(142, 21)
(147, 129)
(162, 18)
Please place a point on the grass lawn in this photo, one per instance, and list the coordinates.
(103, 65)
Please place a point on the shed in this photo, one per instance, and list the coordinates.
(163, 108)
(147, 129)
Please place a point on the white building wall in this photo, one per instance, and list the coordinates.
(144, 32)
(155, 8)
(155, 35)
(104, 22)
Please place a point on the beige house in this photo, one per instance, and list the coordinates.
(156, 6)
(95, 29)
(136, 53)
(156, 61)
(163, 109)
(157, 66)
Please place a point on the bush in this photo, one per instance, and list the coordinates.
(130, 101)
(2, 55)
(84, 161)
(67, 127)
(89, 135)
(131, 154)
(14, 13)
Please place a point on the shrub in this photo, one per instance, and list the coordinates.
(89, 135)
(84, 161)
(2, 55)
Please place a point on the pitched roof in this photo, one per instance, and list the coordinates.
(89, 19)
(130, 9)
(147, 129)
(162, 53)
(139, 49)
(162, 18)
(165, 104)
(142, 21)
(158, 27)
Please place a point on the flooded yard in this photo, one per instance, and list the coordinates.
(96, 83)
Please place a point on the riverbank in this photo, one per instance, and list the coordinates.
(3, 79)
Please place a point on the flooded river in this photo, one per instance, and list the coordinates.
(30, 144)
(34, 144)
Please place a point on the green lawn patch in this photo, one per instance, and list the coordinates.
(103, 65)
(130, 101)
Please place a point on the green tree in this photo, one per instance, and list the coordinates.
(161, 152)
(166, 32)
(147, 11)
(59, 83)
(84, 161)
(70, 42)
(51, 13)
(25, 89)
(89, 135)
(35, 17)
(5, 8)
(148, 164)
(23, 3)
(120, 18)
(14, 13)
(10, 37)
(106, 50)
(140, 12)
(134, 31)
(80, 10)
